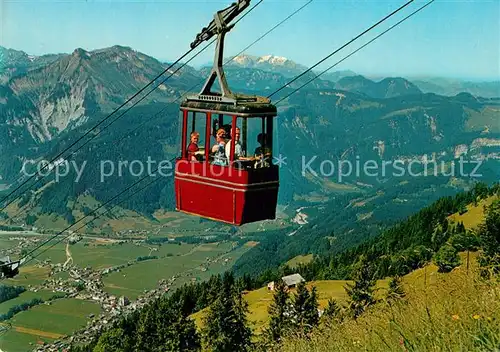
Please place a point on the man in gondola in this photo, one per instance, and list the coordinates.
(238, 150)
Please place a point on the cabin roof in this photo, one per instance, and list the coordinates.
(246, 105)
(293, 279)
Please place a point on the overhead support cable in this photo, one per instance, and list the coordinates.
(58, 156)
(358, 49)
(343, 46)
(153, 181)
(158, 114)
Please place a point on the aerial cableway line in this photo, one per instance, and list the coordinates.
(159, 113)
(242, 6)
(128, 188)
(10, 268)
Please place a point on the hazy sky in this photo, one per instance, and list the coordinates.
(449, 38)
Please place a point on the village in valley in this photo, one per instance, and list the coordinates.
(79, 269)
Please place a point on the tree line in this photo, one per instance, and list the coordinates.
(10, 292)
(404, 247)
(25, 306)
(166, 325)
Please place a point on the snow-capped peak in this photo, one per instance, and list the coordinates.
(243, 59)
(248, 60)
(275, 60)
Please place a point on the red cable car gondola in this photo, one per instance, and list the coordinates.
(217, 178)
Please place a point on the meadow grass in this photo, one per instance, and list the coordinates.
(474, 215)
(260, 300)
(441, 312)
(300, 259)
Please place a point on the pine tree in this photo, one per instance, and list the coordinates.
(361, 292)
(226, 327)
(311, 315)
(332, 312)
(446, 259)
(465, 241)
(460, 228)
(396, 290)
(300, 299)
(113, 340)
(164, 326)
(279, 323)
(147, 329)
(489, 234)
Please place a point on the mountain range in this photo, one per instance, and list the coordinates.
(48, 102)
(347, 79)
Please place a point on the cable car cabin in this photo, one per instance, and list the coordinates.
(216, 178)
(225, 169)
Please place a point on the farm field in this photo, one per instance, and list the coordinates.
(29, 275)
(101, 256)
(97, 256)
(46, 322)
(133, 280)
(23, 298)
(213, 269)
(49, 322)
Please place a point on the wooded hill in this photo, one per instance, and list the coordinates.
(165, 324)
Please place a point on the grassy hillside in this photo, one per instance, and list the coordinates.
(474, 214)
(300, 259)
(259, 301)
(444, 306)
(441, 312)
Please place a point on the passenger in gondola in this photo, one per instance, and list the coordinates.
(263, 149)
(238, 150)
(262, 152)
(218, 149)
(193, 146)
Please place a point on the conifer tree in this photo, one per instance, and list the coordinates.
(113, 340)
(332, 312)
(163, 326)
(300, 298)
(446, 259)
(226, 327)
(361, 292)
(489, 234)
(396, 290)
(279, 313)
(465, 241)
(311, 315)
